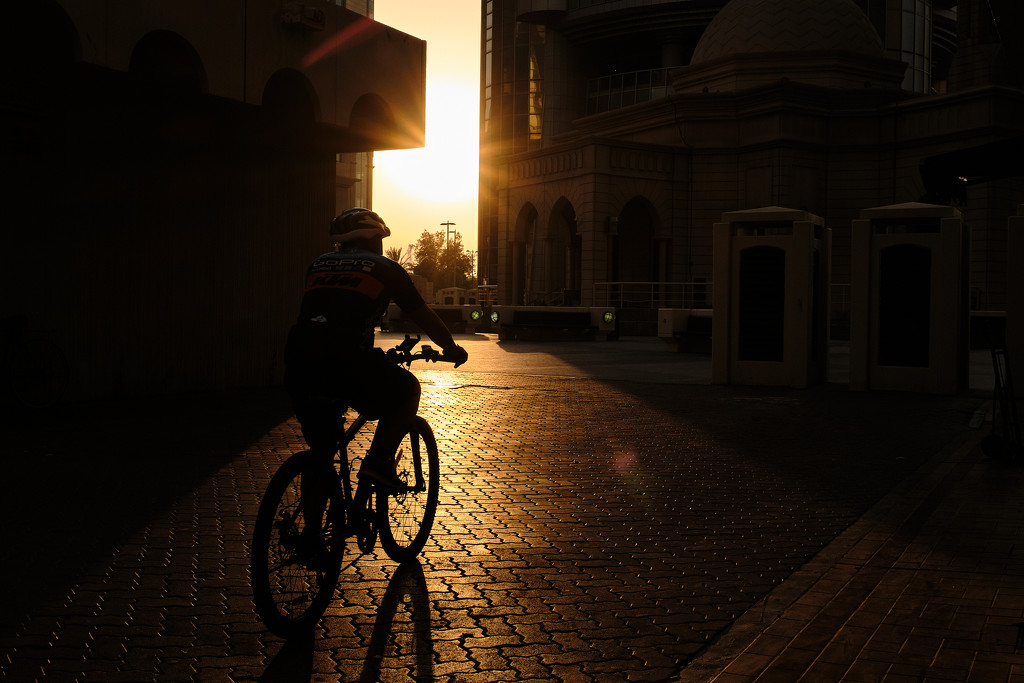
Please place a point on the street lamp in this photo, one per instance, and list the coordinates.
(449, 231)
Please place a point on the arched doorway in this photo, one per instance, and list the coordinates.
(635, 268)
(762, 304)
(635, 256)
(564, 253)
(520, 257)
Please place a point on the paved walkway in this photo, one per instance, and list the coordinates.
(927, 586)
(595, 525)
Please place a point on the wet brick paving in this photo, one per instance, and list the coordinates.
(588, 530)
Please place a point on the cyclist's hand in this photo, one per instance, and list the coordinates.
(456, 355)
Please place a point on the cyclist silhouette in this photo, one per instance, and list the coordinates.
(330, 359)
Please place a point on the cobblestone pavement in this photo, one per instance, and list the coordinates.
(590, 529)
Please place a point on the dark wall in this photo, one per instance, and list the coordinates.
(160, 233)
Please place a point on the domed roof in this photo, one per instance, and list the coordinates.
(760, 26)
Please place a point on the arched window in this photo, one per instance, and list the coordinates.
(289, 98)
(373, 120)
(46, 28)
(166, 57)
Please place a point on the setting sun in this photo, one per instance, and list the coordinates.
(445, 170)
(418, 189)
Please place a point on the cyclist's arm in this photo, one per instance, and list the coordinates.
(431, 323)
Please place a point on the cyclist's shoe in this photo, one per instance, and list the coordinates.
(381, 473)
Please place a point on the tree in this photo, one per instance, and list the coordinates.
(399, 256)
(442, 261)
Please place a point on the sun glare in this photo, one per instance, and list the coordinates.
(445, 170)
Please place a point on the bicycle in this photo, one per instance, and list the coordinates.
(34, 368)
(298, 546)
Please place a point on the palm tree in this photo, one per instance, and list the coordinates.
(400, 256)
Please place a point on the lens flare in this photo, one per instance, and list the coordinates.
(625, 461)
(347, 37)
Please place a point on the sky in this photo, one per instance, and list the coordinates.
(419, 189)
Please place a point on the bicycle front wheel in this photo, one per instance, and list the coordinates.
(297, 552)
(405, 517)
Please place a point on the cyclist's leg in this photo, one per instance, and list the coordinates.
(392, 395)
(320, 418)
(316, 489)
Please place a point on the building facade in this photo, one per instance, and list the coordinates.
(615, 134)
(171, 168)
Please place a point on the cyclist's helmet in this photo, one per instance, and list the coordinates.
(358, 224)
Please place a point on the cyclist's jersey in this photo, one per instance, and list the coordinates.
(347, 292)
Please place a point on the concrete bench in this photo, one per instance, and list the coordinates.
(554, 323)
(545, 325)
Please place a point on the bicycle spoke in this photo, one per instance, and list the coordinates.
(294, 567)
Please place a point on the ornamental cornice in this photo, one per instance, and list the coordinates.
(625, 159)
(546, 165)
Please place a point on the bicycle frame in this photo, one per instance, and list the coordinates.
(294, 571)
(353, 501)
(362, 492)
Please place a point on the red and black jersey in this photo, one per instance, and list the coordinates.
(347, 292)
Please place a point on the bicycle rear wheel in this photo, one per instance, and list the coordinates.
(295, 561)
(406, 517)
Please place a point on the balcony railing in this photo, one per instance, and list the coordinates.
(686, 295)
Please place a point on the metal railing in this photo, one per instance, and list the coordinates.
(653, 294)
(685, 295)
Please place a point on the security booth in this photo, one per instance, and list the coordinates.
(909, 321)
(770, 301)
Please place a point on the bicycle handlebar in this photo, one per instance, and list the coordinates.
(403, 355)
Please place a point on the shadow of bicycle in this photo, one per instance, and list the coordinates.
(407, 587)
(412, 641)
(293, 662)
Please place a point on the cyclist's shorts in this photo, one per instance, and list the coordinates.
(370, 384)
